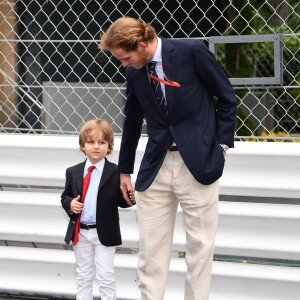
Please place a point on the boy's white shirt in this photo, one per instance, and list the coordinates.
(88, 215)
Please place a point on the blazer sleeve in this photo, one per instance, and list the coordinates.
(218, 84)
(66, 196)
(132, 127)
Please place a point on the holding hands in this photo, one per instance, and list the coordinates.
(127, 189)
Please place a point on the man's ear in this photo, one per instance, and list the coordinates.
(142, 46)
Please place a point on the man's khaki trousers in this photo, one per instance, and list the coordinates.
(156, 209)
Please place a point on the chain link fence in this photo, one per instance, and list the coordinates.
(53, 78)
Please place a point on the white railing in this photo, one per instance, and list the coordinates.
(252, 169)
(245, 229)
(33, 224)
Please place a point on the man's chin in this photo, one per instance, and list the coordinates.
(137, 66)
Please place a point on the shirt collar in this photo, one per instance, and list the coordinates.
(99, 165)
(157, 54)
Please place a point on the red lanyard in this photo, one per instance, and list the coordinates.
(167, 82)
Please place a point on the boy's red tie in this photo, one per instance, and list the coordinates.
(85, 186)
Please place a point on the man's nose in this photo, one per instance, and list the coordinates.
(124, 63)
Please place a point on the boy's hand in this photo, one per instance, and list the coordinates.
(127, 189)
(131, 195)
(76, 206)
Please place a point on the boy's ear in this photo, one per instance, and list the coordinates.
(82, 149)
(109, 150)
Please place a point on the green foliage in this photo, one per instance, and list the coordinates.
(243, 17)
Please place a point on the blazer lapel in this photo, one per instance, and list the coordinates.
(107, 172)
(142, 79)
(169, 66)
(78, 173)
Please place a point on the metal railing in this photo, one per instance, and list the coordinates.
(257, 249)
(53, 78)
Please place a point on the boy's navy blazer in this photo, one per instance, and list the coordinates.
(109, 198)
(196, 125)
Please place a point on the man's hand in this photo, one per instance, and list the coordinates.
(127, 189)
(225, 148)
(76, 206)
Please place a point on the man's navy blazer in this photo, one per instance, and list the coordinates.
(108, 200)
(194, 122)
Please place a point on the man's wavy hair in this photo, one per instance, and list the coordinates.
(126, 33)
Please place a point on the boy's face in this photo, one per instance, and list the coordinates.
(95, 147)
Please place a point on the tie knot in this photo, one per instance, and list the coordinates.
(151, 65)
(91, 168)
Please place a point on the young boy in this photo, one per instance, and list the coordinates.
(91, 198)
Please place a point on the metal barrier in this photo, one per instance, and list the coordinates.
(252, 169)
(262, 230)
(265, 235)
(51, 272)
(53, 78)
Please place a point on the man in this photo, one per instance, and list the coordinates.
(184, 156)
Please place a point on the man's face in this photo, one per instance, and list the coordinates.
(136, 59)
